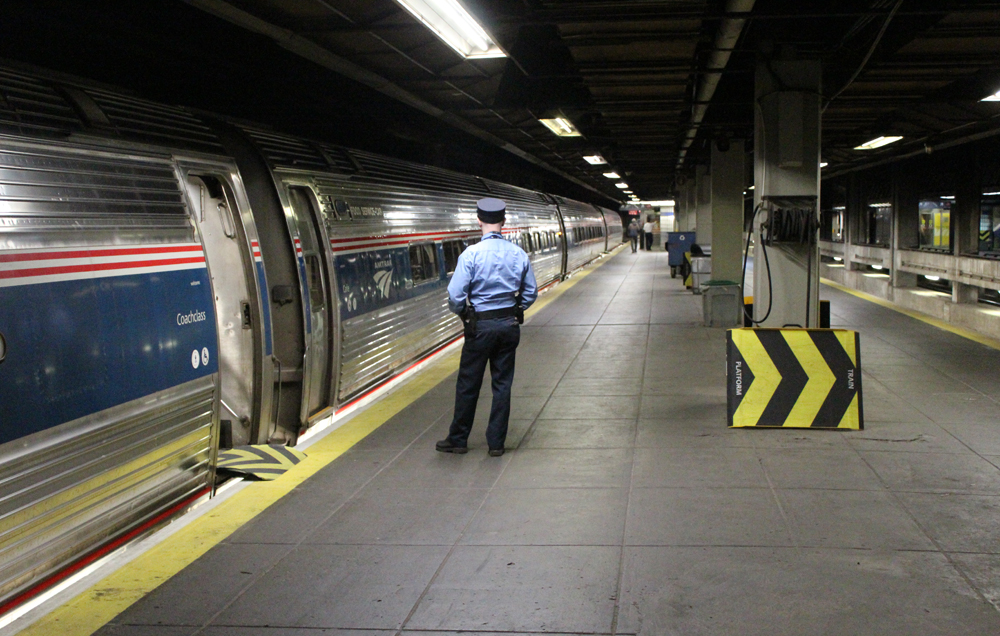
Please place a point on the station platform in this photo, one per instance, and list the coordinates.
(624, 504)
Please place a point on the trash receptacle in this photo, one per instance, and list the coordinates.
(721, 304)
(701, 272)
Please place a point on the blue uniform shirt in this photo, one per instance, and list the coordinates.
(489, 274)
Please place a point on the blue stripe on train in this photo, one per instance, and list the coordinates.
(266, 303)
(377, 279)
(79, 347)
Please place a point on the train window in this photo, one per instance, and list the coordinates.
(529, 244)
(423, 263)
(989, 222)
(538, 242)
(831, 224)
(878, 223)
(452, 249)
(935, 223)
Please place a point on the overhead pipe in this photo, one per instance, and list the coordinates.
(725, 40)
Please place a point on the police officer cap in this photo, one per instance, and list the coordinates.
(491, 210)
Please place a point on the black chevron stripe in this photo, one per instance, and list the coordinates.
(283, 451)
(793, 378)
(857, 382)
(738, 369)
(839, 399)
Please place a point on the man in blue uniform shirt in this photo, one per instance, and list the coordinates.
(492, 286)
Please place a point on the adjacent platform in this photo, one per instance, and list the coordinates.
(625, 505)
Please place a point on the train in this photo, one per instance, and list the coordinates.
(173, 282)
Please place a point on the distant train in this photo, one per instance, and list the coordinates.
(171, 282)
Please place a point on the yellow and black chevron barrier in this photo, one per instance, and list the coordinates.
(263, 462)
(799, 378)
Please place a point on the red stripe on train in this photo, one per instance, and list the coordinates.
(95, 267)
(45, 256)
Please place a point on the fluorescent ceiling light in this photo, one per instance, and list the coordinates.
(561, 126)
(449, 20)
(622, 185)
(995, 97)
(933, 278)
(823, 164)
(595, 160)
(876, 267)
(991, 194)
(878, 142)
(838, 259)
(750, 188)
(612, 175)
(657, 204)
(880, 205)
(947, 197)
(628, 192)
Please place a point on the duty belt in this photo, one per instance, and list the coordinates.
(496, 313)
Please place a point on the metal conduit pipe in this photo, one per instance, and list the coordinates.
(725, 40)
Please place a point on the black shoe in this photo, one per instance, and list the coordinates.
(496, 452)
(447, 447)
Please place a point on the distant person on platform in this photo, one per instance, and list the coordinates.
(492, 286)
(633, 232)
(647, 231)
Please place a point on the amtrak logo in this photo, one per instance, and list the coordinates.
(383, 280)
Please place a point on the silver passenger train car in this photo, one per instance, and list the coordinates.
(171, 283)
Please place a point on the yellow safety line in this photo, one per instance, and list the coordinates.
(94, 608)
(934, 322)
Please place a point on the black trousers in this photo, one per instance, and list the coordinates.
(649, 240)
(495, 342)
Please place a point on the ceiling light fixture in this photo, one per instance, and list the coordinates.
(561, 126)
(628, 192)
(823, 164)
(449, 20)
(621, 184)
(878, 142)
(995, 97)
(612, 175)
(934, 278)
(595, 160)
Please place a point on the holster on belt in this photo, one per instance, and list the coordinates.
(469, 318)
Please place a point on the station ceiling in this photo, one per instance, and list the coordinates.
(626, 73)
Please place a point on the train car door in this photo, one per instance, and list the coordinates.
(212, 206)
(316, 394)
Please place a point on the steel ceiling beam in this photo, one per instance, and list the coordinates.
(308, 49)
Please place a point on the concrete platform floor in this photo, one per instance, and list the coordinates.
(625, 505)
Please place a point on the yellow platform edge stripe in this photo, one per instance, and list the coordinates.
(968, 334)
(97, 606)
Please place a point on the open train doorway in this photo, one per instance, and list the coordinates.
(215, 214)
(316, 378)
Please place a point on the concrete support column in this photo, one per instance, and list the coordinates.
(727, 212)
(786, 164)
(703, 205)
(962, 293)
(685, 223)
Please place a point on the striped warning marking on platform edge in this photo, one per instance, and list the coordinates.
(800, 378)
(263, 462)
